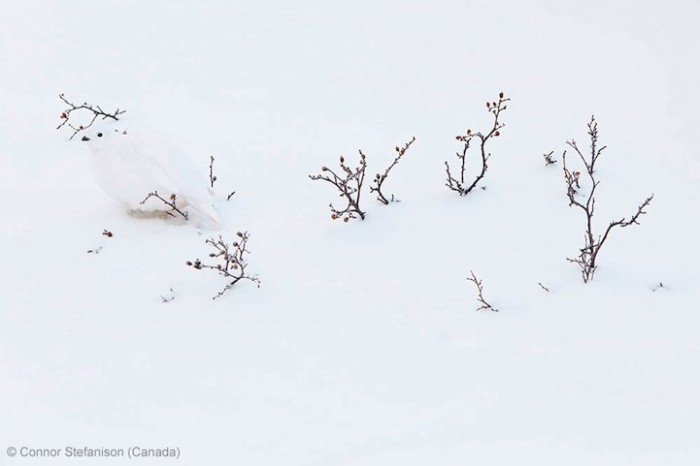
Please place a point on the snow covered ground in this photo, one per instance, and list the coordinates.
(362, 346)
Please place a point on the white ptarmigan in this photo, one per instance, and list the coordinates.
(129, 166)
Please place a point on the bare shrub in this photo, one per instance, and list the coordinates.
(458, 184)
(587, 259)
(348, 182)
(232, 263)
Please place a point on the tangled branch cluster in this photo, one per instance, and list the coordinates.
(349, 183)
(232, 263)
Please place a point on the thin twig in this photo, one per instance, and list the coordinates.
(212, 178)
(170, 203)
(480, 289)
(96, 111)
(379, 179)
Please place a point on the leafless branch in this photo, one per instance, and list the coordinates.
(212, 177)
(379, 179)
(232, 261)
(480, 289)
(172, 203)
(543, 287)
(95, 111)
(349, 184)
(459, 185)
(228, 198)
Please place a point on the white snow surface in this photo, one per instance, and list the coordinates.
(362, 346)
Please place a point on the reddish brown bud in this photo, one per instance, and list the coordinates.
(500, 95)
(497, 133)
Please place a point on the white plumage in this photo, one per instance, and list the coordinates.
(129, 166)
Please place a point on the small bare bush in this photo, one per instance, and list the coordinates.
(171, 203)
(459, 184)
(587, 259)
(348, 181)
(232, 263)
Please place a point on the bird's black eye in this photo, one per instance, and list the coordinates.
(99, 135)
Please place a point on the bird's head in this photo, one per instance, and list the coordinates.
(101, 133)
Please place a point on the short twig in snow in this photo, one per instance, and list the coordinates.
(548, 159)
(480, 289)
(543, 287)
(98, 249)
(172, 203)
(212, 177)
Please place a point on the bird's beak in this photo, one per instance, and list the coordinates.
(85, 138)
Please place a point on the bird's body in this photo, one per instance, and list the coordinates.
(128, 167)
